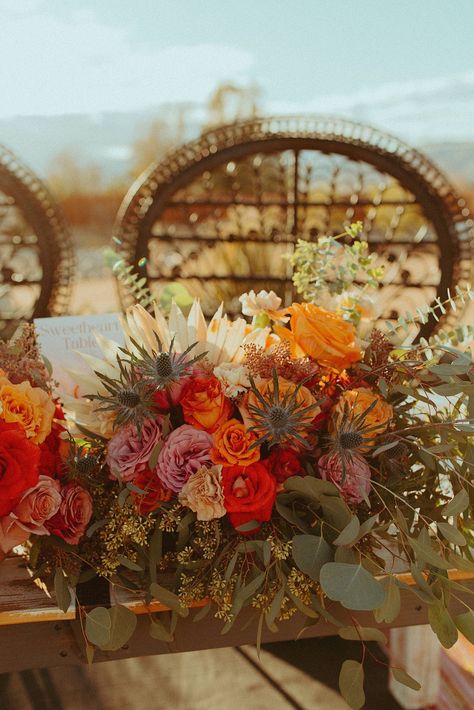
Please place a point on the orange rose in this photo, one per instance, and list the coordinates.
(304, 398)
(322, 335)
(30, 407)
(232, 443)
(357, 401)
(204, 404)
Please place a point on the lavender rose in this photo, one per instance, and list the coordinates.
(128, 449)
(353, 480)
(185, 451)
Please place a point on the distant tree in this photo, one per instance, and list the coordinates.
(161, 135)
(68, 175)
(230, 103)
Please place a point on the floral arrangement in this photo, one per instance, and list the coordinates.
(283, 461)
(36, 499)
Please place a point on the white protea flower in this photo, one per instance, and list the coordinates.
(222, 340)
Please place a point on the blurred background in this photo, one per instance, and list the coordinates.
(91, 95)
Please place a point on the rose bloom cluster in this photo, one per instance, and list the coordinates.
(202, 448)
(35, 497)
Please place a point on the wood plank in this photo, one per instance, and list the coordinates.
(23, 601)
(49, 644)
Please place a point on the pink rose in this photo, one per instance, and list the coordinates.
(36, 506)
(353, 480)
(11, 534)
(185, 451)
(73, 516)
(128, 449)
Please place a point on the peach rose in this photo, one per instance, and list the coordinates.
(30, 407)
(203, 493)
(356, 402)
(304, 398)
(322, 335)
(232, 443)
(204, 404)
(37, 505)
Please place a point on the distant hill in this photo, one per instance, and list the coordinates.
(107, 140)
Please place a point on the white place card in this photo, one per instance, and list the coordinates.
(62, 338)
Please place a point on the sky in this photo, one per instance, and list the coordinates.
(339, 56)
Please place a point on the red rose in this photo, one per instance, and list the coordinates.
(73, 516)
(249, 493)
(283, 463)
(156, 492)
(19, 460)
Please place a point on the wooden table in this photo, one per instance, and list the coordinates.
(34, 633)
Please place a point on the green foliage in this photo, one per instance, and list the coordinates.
(110, 629)
(351, 585)
(132, 281)
(351, 684)
(61, 590)
(310, 553)
(328, 268)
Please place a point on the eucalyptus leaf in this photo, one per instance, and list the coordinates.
(347, 555)
(267, 553)
(248, 526)
(311, 487)
(275, 606)
(61, 590)
(98, 626)
(202, 613)
(306, 610)
(249, 589)
(459, 562)
(90, 650)
(352, 586)
(351, 684)
(123, 624)
(129, 564)
(465, 624)
(159, 632)
(168, 598)
(310, 553)
(155, 452)
(362, 633)
(94, 527)
(442, 624)
(385, 447)
(426, 553)
(457, 505)
(390, 608)
(335, 511)
(402, 677)
(451, 534)
(290, 516)
(155, 551)
(350, 533)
